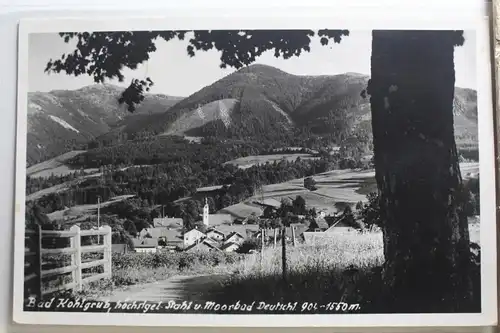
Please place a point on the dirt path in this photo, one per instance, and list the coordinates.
(185, 288)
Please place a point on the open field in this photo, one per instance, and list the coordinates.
(242, 210)
(249, 161)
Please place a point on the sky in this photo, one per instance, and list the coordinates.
(175, 73)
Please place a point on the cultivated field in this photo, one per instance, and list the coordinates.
(242, 210)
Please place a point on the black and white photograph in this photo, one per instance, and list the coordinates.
(327, 172)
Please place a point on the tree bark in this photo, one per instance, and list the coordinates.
(426, 239)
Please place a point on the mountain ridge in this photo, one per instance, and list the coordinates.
(61, 120)
(251, 102)
(260, 98)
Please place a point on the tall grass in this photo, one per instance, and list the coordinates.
(359, 250)
(338, 269)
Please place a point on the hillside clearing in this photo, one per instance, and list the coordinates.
(83, 211)
(249, 161)
(46, 191)
(201, 116)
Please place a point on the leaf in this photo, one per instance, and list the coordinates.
(104, 55)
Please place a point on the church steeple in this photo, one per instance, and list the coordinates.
(206, 211)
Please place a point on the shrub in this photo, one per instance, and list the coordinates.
(171, 260)
(248, 245)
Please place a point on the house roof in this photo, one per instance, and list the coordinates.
(338, 224)
(235, 233)
(218, 219)
(171, 235)
(200, 246)
(299, 229)
(215, 230)
(242, 229)
(227, 245)
(212, 242)
(167, 222)
(193, 231)
(321, 222)
(146, 242)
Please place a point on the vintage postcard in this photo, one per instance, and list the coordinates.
(193, 171)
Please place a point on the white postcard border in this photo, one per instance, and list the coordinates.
(252, 19)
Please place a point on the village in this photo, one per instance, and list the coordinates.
(227, 233)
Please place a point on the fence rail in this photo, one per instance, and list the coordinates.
(34, 254)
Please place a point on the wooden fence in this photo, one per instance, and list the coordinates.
(35, 253)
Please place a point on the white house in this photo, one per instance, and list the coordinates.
(235, 238)
(193, 236)
(147, 245)
(146, 249)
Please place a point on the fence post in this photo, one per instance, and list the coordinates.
(107, 250)
(76, 257)
(275, 236)
(38, 261)
(293, 235)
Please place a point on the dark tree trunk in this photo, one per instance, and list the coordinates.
(426, 239)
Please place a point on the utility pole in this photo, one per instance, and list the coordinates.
(262, 247)
(98, 211)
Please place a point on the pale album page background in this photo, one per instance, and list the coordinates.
(8, 37)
